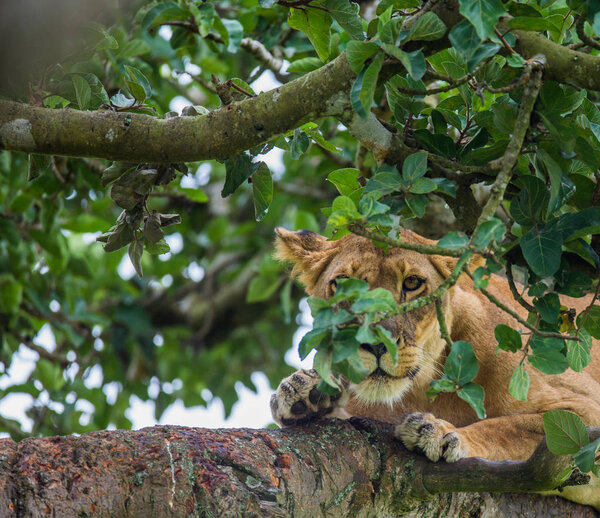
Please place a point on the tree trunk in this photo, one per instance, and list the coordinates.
(333, 468)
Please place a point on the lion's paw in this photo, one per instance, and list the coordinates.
(298, 401)
(436, 438)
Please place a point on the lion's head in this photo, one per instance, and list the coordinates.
(319, 263)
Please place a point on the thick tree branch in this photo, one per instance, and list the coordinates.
(332, 468)
(141, 138)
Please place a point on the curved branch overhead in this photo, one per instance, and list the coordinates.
(241, 125)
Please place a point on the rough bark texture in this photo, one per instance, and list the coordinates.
(324, 469)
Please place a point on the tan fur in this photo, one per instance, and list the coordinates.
(512, 428)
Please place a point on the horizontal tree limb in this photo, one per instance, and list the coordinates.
(333, 468)
(242, 125)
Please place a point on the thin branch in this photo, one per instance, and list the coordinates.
(514, 291)
(260, 52)
(588, 309)
(506, 163)
(518, 318)
(360, 230)
(454, 83)
(580, 26)
(442, 322)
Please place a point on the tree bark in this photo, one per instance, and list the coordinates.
(333, 468)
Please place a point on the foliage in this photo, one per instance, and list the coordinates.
(212, 306)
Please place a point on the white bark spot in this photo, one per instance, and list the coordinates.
(16, 135)
(275, 94)
(110, 135)
(172, 465)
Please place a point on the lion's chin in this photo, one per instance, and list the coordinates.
(381, 389)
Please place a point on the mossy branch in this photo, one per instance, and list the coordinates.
(506, 163)
(332, 467)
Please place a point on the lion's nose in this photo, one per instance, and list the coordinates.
(377, 350)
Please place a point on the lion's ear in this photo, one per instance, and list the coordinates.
(308, 251)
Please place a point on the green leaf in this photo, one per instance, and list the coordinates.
(423, 186)
(235, 33)
(385, 182)
(542, 250)
(427, 28)
(345, 180)
(152, 231)
(530, 24)
(11, 294)
(315, 23)
(304, 65)
(417, 203)
(262, 287)
(136, 248)
(565, 432)
(344, 344)
(378, 299)
(137, 83)
(314, 339)
(531, 200)
(461, 364)
(453, 241)
(346, 14)
(262, 190)
(414, 166)
(357, 52)
(548, 307)
(592, 321)
(464, 38)
(519, 383)
(585, 458)
(548, 361)
(413, 62)
(197, 195)
(82, 91)
(161, 247)
(578, 353)
(322, 364)
(299, 143)
(473, 394)
(164, 12)
(237, 170)
(363, 89)
(439, 144)
(483, 14)
(491, 230)
(508, 338)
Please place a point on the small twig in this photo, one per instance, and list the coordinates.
(442, 322)
(517, 317)
(504, 42)
(360, 230)
(454, 83)
(260, 52)
(513, 289)
(580, 27)
(231, 84)
(588, 309)
(42, 352)
(533, 74)
(222, 90)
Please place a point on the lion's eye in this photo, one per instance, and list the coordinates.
(412, 283)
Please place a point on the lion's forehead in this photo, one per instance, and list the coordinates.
(395, 264)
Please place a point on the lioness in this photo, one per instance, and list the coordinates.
(446, 428)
